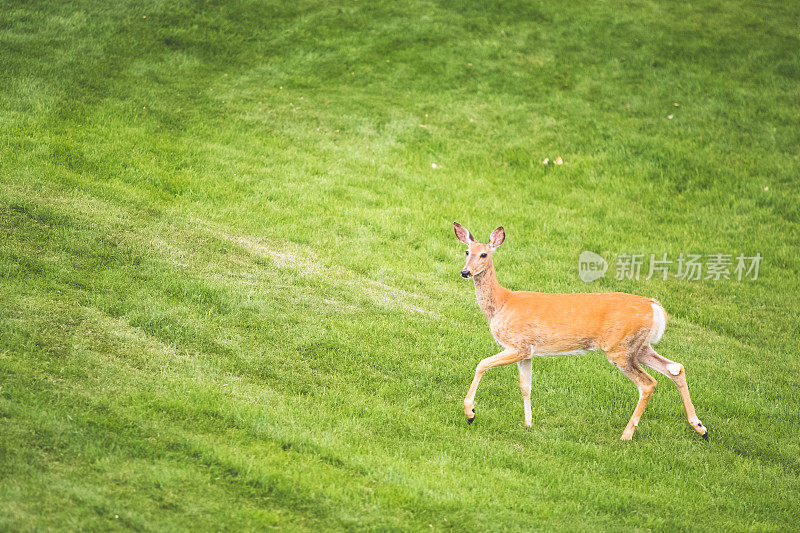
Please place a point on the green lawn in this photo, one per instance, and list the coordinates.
(229, 286)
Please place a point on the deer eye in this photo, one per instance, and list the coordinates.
(483, 255)
(467, 252)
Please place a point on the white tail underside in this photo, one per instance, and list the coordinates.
(659, 323)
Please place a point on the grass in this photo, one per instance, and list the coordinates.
(229, 282)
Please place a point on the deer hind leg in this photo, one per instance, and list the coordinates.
(625, 361)
(505, 357)
(525, 375)
(677, 374)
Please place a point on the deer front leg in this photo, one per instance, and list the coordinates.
(505, 357)
(525, 375)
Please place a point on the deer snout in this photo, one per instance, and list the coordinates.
(465, 274)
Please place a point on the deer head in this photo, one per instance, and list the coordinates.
(479, 254)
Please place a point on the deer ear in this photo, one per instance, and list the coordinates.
(497, 237)
(462, 234)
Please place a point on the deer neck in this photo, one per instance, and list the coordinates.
(490, 294)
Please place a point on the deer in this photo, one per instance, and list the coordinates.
(538, 324)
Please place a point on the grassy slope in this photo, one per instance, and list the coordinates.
(229, 282)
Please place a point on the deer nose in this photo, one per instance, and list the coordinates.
(465, 273)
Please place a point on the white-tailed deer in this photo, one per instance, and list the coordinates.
(536, 324)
